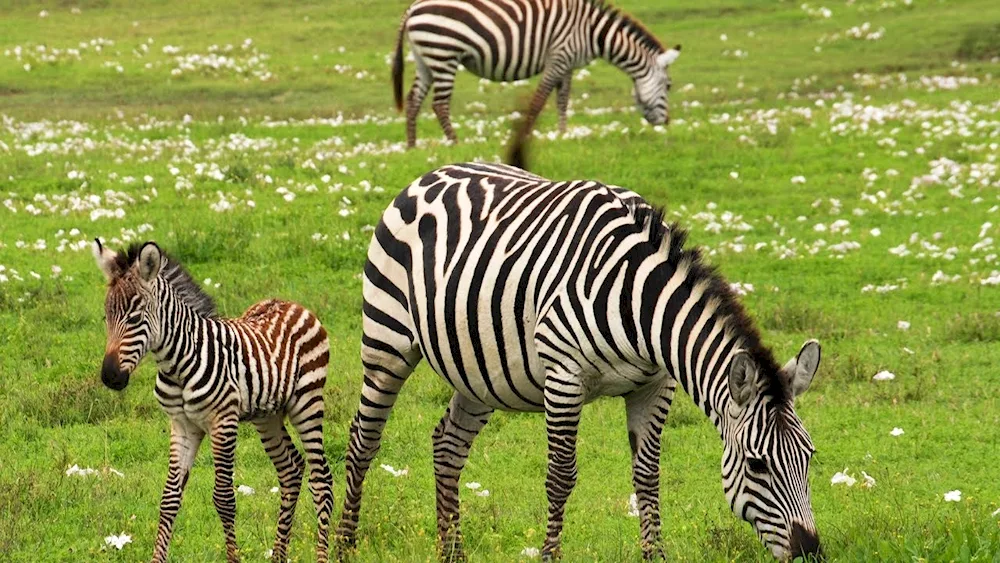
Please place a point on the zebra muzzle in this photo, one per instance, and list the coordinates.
(112, 375)
(805, 544)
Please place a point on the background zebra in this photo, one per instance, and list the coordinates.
(531, 295)
(212, 372)
(508, 40)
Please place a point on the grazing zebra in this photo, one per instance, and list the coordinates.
(506, 40)
(531, 295)
(212, 373)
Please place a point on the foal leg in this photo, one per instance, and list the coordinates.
(306, 415)
(223, 436)
(646, 410)
(185, 438)
(288, 463)
(453, 437)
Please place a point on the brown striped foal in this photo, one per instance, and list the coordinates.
(212, 373)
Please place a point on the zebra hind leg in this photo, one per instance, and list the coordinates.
(421, 84)
(453, 438)
(306, 415)
(563, 405)
(444, 82)
(289, 465)
(384, 375)
(646, 409)
(223, 436)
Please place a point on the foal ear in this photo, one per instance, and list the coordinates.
(668, 57)
(106, 260)
(150, 261)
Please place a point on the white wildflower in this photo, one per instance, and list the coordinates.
(884, 376)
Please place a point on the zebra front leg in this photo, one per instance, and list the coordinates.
(223, 436)
(185, 438)
(646, 410)
(563, 403)
(562, 101)
(453, 437)
(549, 81)
(385, 374)
(288, 463)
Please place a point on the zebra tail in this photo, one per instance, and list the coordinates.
(397, 66)
(517, 153)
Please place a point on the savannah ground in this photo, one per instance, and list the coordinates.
(266, 178)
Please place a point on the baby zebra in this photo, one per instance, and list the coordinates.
(213, 372)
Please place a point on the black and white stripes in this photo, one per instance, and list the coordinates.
(506, 40)
(265, 366)
(531, 295)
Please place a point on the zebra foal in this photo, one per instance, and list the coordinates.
(507, 40)
(212, 373)
(531, 295)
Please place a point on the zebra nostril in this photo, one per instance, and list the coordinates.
(112, 375)
(805, 543)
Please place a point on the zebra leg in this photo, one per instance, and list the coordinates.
(421, 84)
(550, 80)
(185, 438)
(288, 463)
(562, 101)
(306, 415)
(453, 437)
(563, 404)
(223, 436)
(646, 410)
(444, 82)
(385, 373)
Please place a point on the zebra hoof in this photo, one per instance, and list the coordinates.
(654, 554)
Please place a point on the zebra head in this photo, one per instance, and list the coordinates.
(130, 308)
(651, 87)
(766, 456)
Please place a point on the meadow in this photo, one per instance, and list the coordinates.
(837, 160)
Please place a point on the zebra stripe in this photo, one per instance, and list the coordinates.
(264, 366)
(531, 295)
(507, 40)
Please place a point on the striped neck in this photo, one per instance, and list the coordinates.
(180, 335)
(622, 41)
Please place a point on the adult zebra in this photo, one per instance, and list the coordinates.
(266, 365)
(506, 40)
(531, 295)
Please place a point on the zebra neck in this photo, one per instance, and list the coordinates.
(621, 41)
(185, 338)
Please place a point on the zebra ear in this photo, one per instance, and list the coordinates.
(800, 370)
(742, 379)
(150, 261)
(668, 57)
(106, 260)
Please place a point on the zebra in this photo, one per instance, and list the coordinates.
(212, 373)
(507, 40)
(525, 294)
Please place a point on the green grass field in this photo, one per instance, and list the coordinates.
(265, 177)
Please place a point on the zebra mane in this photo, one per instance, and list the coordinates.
(730, 307)
(174, 274)
(646, 38)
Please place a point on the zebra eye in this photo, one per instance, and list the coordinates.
(757, 465)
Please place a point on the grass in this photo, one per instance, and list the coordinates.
(312, 120)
